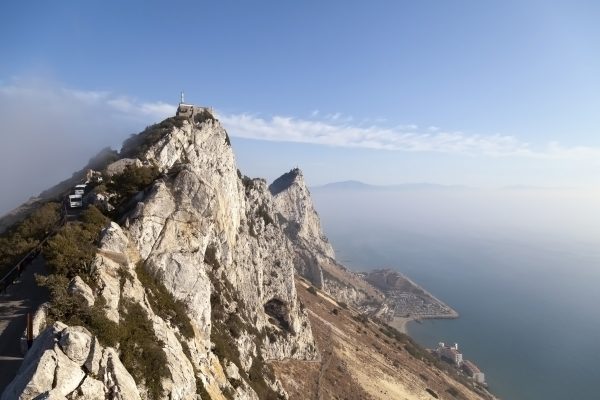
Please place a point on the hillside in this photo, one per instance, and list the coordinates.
(185, 279)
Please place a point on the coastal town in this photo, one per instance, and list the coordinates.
(405, 300)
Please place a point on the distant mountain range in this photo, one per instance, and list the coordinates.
(361, 186)
(353, 185)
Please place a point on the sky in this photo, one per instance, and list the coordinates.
(486, 94)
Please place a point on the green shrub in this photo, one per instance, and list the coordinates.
(93, 221)
(164, 304)
(23, 237)
(140, 350)
(132, 180)
(312, 290)
(70, 310)
(72, 250)
(203, 116)
(137, 145)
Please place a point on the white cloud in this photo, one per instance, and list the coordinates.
(50, 131)
(333, 132)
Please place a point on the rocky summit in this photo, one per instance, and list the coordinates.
(206, 284)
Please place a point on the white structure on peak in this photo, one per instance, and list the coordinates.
(189, 110)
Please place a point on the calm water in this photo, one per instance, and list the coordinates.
(529, 305)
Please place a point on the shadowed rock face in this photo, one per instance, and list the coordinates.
(278, 310)
(302, 223)
(284, 181)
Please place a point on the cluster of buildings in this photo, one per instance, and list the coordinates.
(417, 305)
(451, 354)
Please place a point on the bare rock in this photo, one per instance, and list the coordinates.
(75, 342)
(114, 239)
(92, 362)
(117, 380)
(33, 379)
(119, 166)
(77, 287)
(90, 389)
(68, 374)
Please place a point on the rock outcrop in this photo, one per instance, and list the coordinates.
(191, 293)
(314, 255)
(202, 236)
(60, 364)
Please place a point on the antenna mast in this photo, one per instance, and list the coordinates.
(181, 102)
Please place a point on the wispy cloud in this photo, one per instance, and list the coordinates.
(339, 131)
(50, 131)
(31, 91)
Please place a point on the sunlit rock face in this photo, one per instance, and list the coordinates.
(212, 237)
(301, 224)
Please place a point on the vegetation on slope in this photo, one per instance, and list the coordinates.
(138, 144)
(126, 185)
(71, 251)
(164, 304)
(26, 235)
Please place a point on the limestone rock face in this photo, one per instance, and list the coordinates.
(55, 368)
(314, 255)
(292, 200)
(75, 342)
(301, 224)
(78, 288)
(205, 227)
(212, 237)
(119, 166)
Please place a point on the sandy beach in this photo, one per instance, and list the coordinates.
(400, 323)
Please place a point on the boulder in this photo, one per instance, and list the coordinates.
(77, 287)
(75, 342)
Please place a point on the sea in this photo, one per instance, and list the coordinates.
(527, 291)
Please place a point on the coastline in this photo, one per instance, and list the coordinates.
(398, 298)
(401, 323)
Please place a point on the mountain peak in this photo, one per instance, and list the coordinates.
(286, 180)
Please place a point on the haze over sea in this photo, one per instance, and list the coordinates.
(520, 265)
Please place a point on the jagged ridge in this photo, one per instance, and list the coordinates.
(223, 245)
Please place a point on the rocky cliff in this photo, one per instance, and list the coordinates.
(314, 255)
(190, 292)
(209, 236)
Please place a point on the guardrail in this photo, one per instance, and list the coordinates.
(15, 272)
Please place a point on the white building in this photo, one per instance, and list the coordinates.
(450, 353)
(473, 371)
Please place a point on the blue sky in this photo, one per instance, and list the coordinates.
(480, 93)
